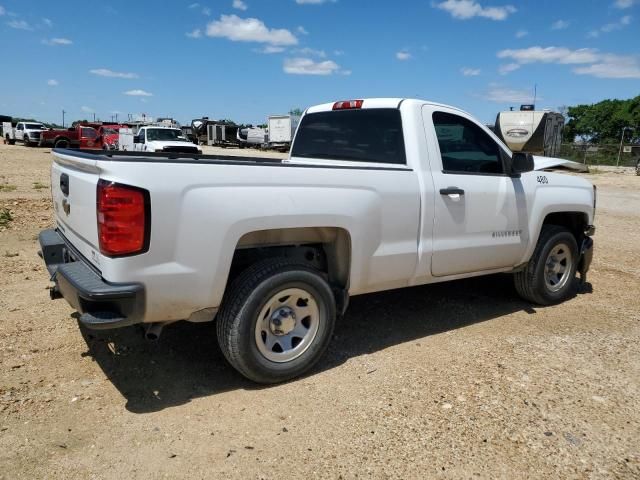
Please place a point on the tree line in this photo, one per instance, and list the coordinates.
(603, 122)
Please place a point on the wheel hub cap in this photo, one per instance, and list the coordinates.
(287, 325)
(283, 321)
(558, 267)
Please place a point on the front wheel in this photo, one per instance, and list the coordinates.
(26, 141)
(276, 320)
(550, 275)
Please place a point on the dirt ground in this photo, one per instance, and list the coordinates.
(459, 380)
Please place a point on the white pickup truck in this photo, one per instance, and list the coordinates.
(163, 139)
(376, 194)
(26, 132)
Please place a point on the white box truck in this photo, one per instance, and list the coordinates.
(282, 128)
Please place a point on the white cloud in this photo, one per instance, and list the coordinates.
(302, 31)
(500, 94)
(268, 49)
(611, 27)
(47, 22)
(105, 72)
(86, 109)
(508, 68)
(465, 9)
(622, 4)
(521, 33)
(470, 72)
(206, 11)
(559, 25)
(310, 51)
(588, 61)
(550, 55)
(138, 93)
(52, 82)
(613, 66)
(19, 25)
(239, 29)
(54, 42)
(2, 10)
(194, 5)
(306, 66)
(403, 55)
(197, 33)
(314, 2)
(338, 53)
(239, 4)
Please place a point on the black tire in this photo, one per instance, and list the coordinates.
(244, 300)
(530, 283)
(638, 168)
(61, 143)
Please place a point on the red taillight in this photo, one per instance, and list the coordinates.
(347, 104)
(123, 219)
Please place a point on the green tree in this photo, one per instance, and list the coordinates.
(296, 112)
(602, 122)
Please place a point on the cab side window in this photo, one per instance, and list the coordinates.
(89, 133)
(465, 147)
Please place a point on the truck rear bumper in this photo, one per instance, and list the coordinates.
(102, 305)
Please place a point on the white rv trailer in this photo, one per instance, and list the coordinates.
(531, 131)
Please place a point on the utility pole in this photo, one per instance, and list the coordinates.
(63, 112)
(94, 117)
(621, 141)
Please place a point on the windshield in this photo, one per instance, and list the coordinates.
(34, 126)
(164, 134)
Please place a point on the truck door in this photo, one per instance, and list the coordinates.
(480, 211)
(20, 132)
(138, 141)
(88, 137)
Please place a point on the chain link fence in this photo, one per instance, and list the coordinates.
(607, 154)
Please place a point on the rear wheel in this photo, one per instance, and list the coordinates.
(276, 320)
(61, 143)
(550, 275)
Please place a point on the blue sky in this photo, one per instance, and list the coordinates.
(247, 59)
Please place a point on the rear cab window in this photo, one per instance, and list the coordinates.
(372, 135)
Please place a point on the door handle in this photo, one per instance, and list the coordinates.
(451, 191)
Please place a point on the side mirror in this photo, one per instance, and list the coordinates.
(521, 163)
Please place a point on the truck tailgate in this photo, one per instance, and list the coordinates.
(73, 189)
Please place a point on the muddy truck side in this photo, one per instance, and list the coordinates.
(376, 194)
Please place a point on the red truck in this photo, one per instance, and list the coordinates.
(83, 136)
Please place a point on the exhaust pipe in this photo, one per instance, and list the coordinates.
(152, 331)
(54, 293)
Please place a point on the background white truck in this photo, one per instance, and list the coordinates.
(153, 139)
(376, 194)
(25, 132)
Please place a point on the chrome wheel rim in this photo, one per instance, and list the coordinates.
(287, 325)
(558, 267)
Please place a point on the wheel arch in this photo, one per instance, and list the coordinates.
(573, 220)
(328, 249)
